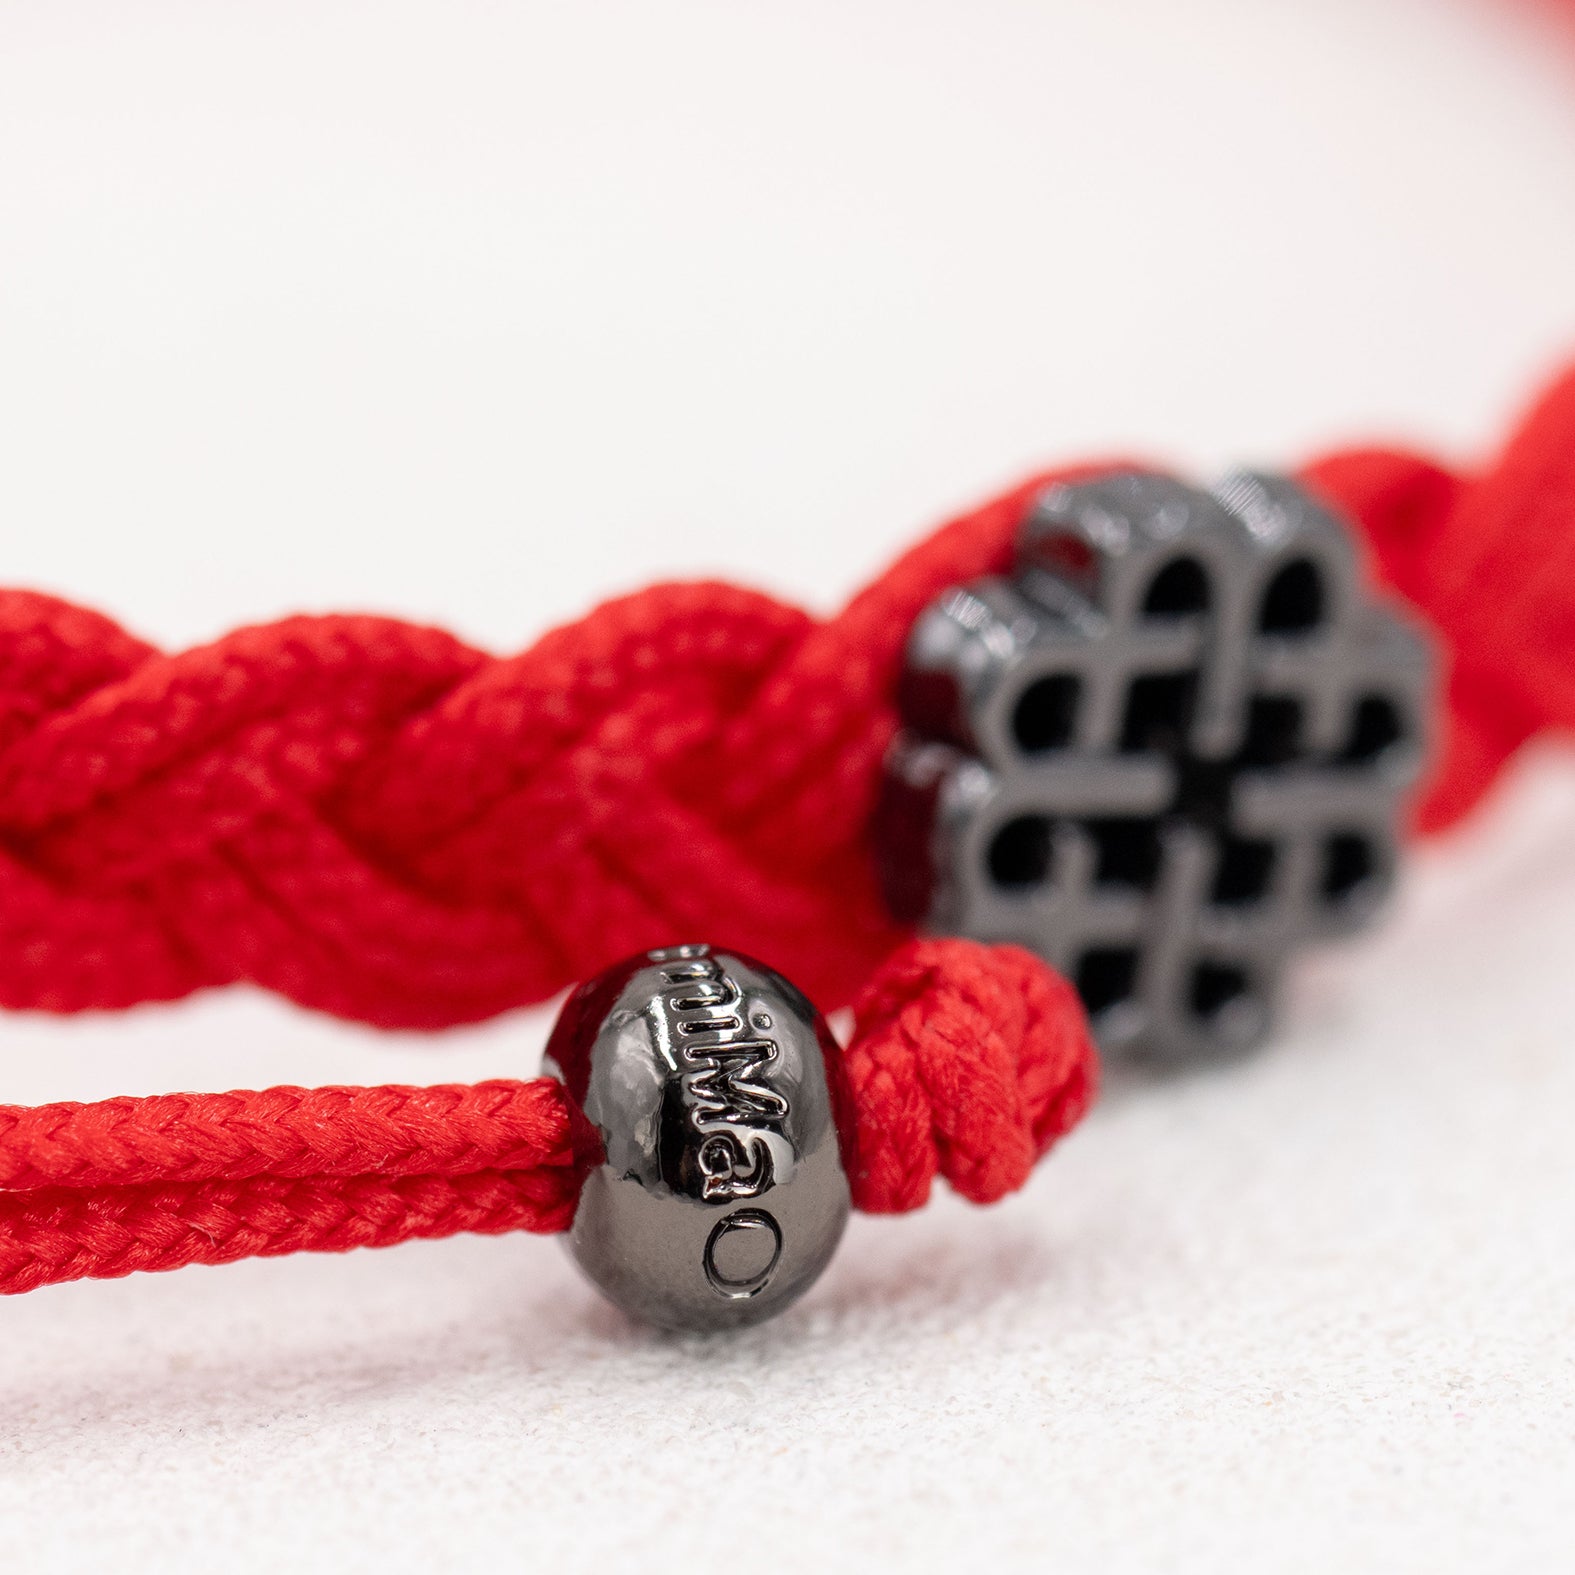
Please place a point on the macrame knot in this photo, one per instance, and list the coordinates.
(966, 1060)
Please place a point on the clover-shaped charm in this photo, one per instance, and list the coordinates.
(1171, 747)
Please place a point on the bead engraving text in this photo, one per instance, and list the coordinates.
(723, 1062)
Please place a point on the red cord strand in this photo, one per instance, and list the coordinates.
(968, 1062)
(57, 1234)
(1490, 561)
(103, 1189)
(449, 1130)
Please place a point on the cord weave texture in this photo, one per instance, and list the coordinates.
(968, 1062)
(378, 821)
(1490, 561)
(100, 1190)
(59, 1233)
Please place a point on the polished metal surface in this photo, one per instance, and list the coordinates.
(722, 1195)
(1169, 749)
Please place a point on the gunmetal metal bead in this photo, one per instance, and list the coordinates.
(1172, 747)
(722, 1194)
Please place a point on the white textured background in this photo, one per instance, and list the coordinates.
(479, 312)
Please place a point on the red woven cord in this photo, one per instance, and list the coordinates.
(967, 1062)
(378, 821)
(448, 1130)
(61, 1233)
(1490, 561)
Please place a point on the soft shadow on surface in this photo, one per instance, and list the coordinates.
(498, 1333)
(892, 1276)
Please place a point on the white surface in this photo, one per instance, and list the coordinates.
(478, 313)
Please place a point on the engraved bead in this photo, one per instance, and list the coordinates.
(722, 1195)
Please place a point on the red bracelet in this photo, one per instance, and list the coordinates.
(377, 821)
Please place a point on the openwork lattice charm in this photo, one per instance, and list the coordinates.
(1170, 748)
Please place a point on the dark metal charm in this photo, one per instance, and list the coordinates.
(1173, 746)
(722, 1194)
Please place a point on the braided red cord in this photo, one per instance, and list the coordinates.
(378, 821)
(381, 822)
(59, 1233)
(449, 1130)
(968, 1062)
(103, 1189)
